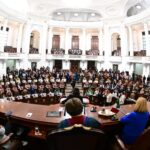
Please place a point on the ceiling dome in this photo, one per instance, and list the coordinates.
(73, 10)
(16, 5)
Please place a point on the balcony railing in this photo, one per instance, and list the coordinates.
(33, 51)
(75, 52)
(92, 52)
(57, 51)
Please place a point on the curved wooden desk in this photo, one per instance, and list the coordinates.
(38, 118)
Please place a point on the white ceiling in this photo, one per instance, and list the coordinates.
(48, 9)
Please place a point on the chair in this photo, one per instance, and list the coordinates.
(77, 137)
(129, 101)
(10, 143)
(142, 143)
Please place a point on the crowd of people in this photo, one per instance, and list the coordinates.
(105, 84)
(32, 82)
(102, 87)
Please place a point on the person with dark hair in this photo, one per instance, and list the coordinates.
(73, 83)
(74, 108)
(75, 93)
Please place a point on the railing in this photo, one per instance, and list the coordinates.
(58, 51)
(92, 52)
(75, 52)
(33, 51)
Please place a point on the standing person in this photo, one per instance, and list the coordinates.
(73, 83)
(135, 122)
(75, 94)
(74, 108)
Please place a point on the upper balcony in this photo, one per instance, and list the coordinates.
(4, 55)
(115, 59)
(34, 56)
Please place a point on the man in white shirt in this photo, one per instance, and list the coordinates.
(109, 97)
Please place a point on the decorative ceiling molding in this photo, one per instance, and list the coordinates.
(76, 15)
(46, 10)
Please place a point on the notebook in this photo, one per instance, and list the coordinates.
(53, 114)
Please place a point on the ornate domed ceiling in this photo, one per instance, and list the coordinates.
(74, 10)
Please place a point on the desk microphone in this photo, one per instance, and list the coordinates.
(65, 111)
(84, 109)
(122, 111)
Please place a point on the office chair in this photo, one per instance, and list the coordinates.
(10, 143)
(142, 143)
(129, 101)
(77, 137)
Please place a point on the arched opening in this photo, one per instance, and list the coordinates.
(34, 42)
(116, 44)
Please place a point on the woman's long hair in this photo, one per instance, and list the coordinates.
(141, 105)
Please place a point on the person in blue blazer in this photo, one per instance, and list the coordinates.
(135, 122)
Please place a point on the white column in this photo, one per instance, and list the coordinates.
(4, 67)
(147, 39)
(51, 65)
(131, 68)
(67, 41)
(98, 65)
(131, 41)
(61, 41)
(83, 41)
(18, 64)
(26, 38)
(25, 46)
(107, 40)
(124, 48)
(4, 35)
(100, 38)
(19, 38)
(43, 45)
(107, 47)
(50, 36)
(146, 70)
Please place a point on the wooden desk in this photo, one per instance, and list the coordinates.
(38, 118)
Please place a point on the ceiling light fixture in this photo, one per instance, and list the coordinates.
(58, 13)
(76, 14)
(93, 14)
(138, 6)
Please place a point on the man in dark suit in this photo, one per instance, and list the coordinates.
(75, 93)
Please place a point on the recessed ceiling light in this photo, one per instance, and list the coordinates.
(93, 14)
(76, 14)
(138, 6)
(58, 13)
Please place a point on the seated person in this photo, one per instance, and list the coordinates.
(2, 133)
(89, 92)
(75, 93)
(135, 122)
(74, 108)
(13, 143)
